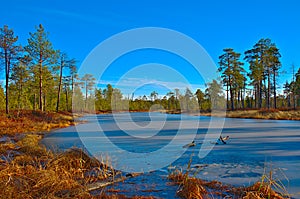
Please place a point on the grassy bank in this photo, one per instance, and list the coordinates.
(29, 170)
(265, 114)
(259, 114)
(33, 121)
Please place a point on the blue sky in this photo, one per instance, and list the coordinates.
(77, 27)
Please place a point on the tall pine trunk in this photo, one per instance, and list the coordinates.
(238, 99)
(274, 82)
(227, 97)
(231, 95)
(41, 84)
(7, 63)
(44, 97)
(242, 99)
(269, 90)
(256, 96)
(260, 94)
(243, 94)
(72, 91)
(67, 98)
(59, 87)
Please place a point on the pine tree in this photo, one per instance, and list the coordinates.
(116, 101)
(9, 52)
(42, 54)
(200, 97)
(297, 88)
(274, 64)
(64, 62)
(73, 78)
(153, 95)
(171, 100)
(20, 77)
(215, 94)
(264, 62)
(89, 82)
(187, 98)
(231, 68)
(254, 58)
(287, 92)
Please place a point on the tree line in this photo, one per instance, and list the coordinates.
(257, 88)
(39, 77)
(112, 99)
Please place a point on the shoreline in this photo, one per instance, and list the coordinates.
(258, 114)
(156, 175)
(242, 114)
(36, 150)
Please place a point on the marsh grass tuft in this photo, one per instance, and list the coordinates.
(266, 188)
(34, 172)
(191, 187)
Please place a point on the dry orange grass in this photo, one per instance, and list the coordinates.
(28, 170)
(260, 190)
(30, 173)
(189, 187)
(33, 121)
(265, 114)
(194, 188)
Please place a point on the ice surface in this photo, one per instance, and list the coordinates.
(152, 142)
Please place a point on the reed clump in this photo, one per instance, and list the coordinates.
(31, 171)
(192, 188)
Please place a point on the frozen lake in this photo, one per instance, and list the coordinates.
(151, 142)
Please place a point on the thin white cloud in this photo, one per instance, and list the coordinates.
(128, 85)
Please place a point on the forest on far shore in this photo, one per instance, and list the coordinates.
(39, 77)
